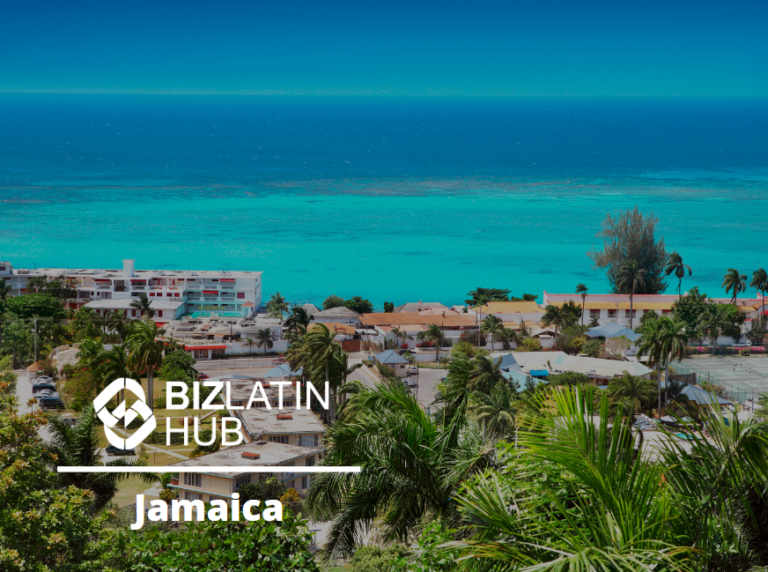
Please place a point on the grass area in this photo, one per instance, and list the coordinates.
(129, 488)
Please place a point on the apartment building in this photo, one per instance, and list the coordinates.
(288, 426)
(194, 482)
(173, 293)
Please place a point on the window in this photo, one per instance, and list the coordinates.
(309, 441)
(133, 313)
(627, 313)
(612, 313)
(304, 482)
(309, 461)
(278, 439)
(176, 294)
(193, 480)
(594, 313)
(159, 313)
(193, 496)
(241, 295)
(241, 481)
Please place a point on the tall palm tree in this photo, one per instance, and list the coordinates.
(90, 355)
(734, 281)
(144, 306)
(492, 326)
(400, 335)
(146, 352)
(342, 363)
(5, 289)
(264, 337)
(411, 467)
(277, 306)
(554, 316)
(760, 283)
(650, 344)
(321, 351)
(714, 321)
(582, 289)
(495, 411)
(250, 343)
(486, 374)
(299, 317)
(114, 365)
(119, 323)
(675, 265)
(639, 392)
(435, 335)
(673, 343)
(630, 278)
(78, 446)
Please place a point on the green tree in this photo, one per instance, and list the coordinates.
(481, 296)
(555, 316)
(631, 278)
(400, 335)
(495, 411)
(486, 374)
(5, 290)
(650, 344)
(734, 281)
(673, 344)
(321, 350)
(147, 353)
(715, 320)
(675, 266)
(277, 306)
(571, 340)
(582, 289)
(411, 467)
(250, 343)
(333, 301)
(298, 317)
(568, 378)
(359, 305)
(144, 306)
(37, 305)
(389, 307)
(492, 326)
(264, 338)
(592, 348)
(760, 283)
(264, 489)
(178, 366)
(689, 309)
(435, 335)
(639, 392)
(631, 236)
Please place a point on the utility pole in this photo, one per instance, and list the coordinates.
(36, 356)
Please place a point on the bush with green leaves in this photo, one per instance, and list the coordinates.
(265, 489)
(592, 348)
(178, 366)
(377, 559)
(36, 305)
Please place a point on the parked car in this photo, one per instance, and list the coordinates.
(51, 401)
(113, 451)
(43, 379)
(44, 386)
(201, 376)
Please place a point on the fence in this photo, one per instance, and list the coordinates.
(728, 390)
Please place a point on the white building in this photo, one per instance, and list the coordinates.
(175, 292)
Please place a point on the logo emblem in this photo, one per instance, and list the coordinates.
(138, 409)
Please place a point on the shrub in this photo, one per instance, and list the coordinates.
(592, 348)
(530, 345)
(745, 352)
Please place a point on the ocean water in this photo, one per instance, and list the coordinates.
(394, 199)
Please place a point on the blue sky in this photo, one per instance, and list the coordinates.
(390, 48)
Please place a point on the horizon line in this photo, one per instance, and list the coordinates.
(211, 469)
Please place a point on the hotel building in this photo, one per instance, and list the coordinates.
(173, 293)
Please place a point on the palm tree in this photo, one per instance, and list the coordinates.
(435, 335)
(115, 364)
(714, 321)
(250, 343)
(411, 467)
(734, 280)
(342, 363)
(554, 316)
(146, 353)
(276, 306)
(321, 350)
(650, 344)
(594, 322)
(78, 446)
(760, 282)
(144, 306)
(264, 337)
(212, 447)
(631, 277)
(495, 411)
(639, 392)
(673, 343)
(485, 375)
(582, 289)
(299, 317)
(675, 265)
(5, 289)
(400, 334)
(493, 326)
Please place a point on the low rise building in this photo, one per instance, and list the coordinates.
(288, 426)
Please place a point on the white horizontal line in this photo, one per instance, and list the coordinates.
(211, 469)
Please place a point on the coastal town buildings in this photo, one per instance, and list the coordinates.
(172, 292)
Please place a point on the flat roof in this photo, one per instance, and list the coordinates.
(263, 421)
(125, 303)
(269, 454)
(117, 273)
(523, 307)
(402, 318)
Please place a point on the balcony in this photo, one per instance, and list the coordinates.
(104, 287)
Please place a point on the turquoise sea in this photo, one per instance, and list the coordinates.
(391, 198)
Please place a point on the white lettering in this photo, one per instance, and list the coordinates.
(236, 429)
(176, 389)
(139, 513)
(263, 397)
(169, 430)
(197, 434)
(247, 510)
(218, 510)
(274, 512)
(217, 388)
(158, 511)
(177, 505)
(311, 389)
(229, 398)
(280, 385)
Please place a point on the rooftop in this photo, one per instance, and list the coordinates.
(263, 421)
(402, 318)
(418, 306)
(125, 304)
(138, 274)
(594, 367)
(525, 307)
(389, 357)
(269, 454)
(340, 312)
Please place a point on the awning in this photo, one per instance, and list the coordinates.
(102, 280)
(210, 291)
(227, 280)
(138, 279)
(205, 347)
